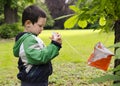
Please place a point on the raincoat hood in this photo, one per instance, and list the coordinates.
(18, 43)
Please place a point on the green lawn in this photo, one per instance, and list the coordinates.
(70, 67)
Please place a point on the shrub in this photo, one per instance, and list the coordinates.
(9, 30)
(1, 19)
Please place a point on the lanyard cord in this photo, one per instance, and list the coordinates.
(71, 46)
(75, 50)
(106, 38)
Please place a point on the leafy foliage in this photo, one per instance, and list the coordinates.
(70, 24)
(82, 24)
(15, 3)
(21, 5)
(12, 8)
(117, 53)
(104, 78)
(109, 77)
(92, 11)
(9, 30)
(105, 12)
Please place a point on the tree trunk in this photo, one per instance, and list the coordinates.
(10, 14)
(58, 8)
(117, 39)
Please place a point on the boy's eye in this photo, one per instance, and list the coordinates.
(40, 25)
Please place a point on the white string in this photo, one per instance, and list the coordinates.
(106, 39)
(75, 50)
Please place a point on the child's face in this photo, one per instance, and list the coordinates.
(37, 27)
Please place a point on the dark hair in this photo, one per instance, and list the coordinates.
(32, 13)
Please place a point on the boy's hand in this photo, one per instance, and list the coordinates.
(56, 37)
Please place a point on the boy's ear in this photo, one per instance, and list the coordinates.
(28, 23)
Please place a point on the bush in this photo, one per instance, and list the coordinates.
(9, 30)
(1, 19)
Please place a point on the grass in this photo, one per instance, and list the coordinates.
(70, 67)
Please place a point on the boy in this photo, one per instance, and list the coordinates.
(34, 57)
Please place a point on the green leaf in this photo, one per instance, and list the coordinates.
(117, 54)
(117, 68)
(115, 45)
(105, 78)
(102, 4)
(74, 8)
(82, 24)
(117, 73)
(102, 21)
(116, 84)
(70, 23)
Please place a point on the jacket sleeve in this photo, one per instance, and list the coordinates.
(39, 56)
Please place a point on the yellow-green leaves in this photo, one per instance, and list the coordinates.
(74, 8)
(82, 23)
(102, 21)
(70, 23)
(117, 53)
